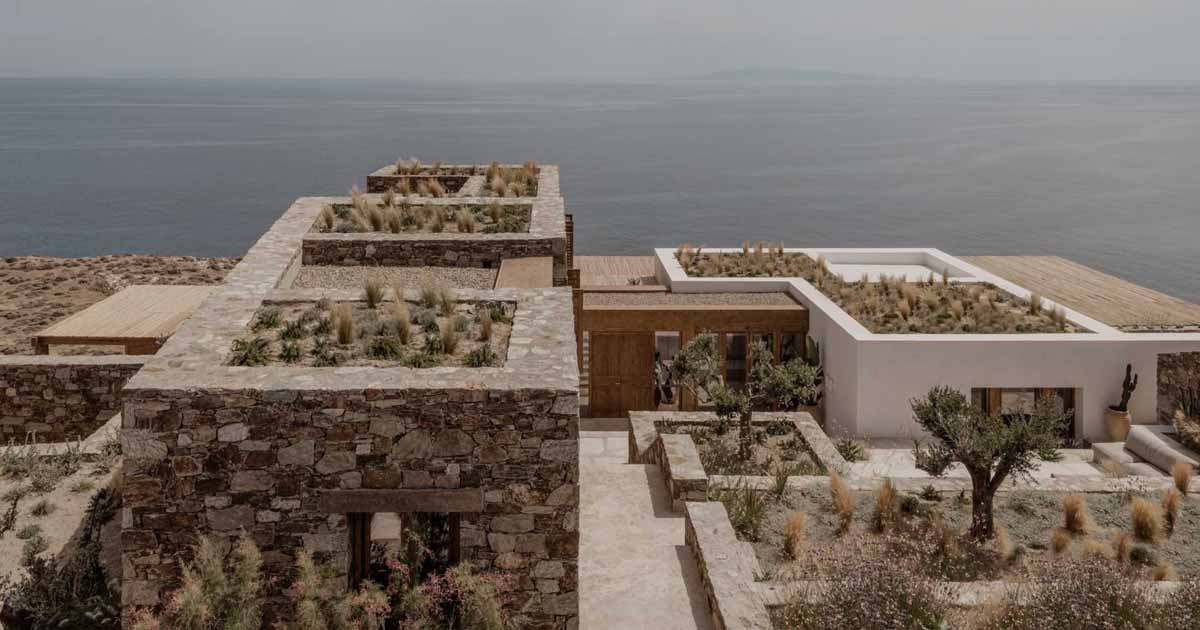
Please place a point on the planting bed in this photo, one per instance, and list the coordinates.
(389, 216)
(1029, 517)
(891, 305)
(776, 446)
(419, 335)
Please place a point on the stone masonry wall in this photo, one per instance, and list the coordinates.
(482, 250)
(1175, 371)
(222, 461)
(60, 398)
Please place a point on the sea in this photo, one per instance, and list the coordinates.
(1106, 174)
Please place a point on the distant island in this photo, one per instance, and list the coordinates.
(782, 74)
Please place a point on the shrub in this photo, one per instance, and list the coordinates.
(373, 293)
(73, 593)
(1076, 519)
(886, 507)
(420, 360)
(851, 450)
(483, 356)
(867, 592)
(82, 486)
(842, 499)
(1181, 472)
(779, 477)
(747, 509)
(431, 295)
(267, 319)
(385, 348)
(1147, 522)
(290, 352)
(1078, 594)
(252, 352)
(324, 326)
(45, 508)
(217, 591)
(793, 535)
(294, 330)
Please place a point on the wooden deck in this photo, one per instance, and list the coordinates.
(526, 273)
(1106, 298)
(139, 318)
(614, 271)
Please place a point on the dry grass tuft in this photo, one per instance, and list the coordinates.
(450, 337)
(1097, 549)
(1003, 545)
(1170, 505)
(1146, 520)
(401, 318)
(1060, 540)
(793, 535)
(465, 222)
(843, 501)
(887, 504)
(1121, 547)
(1181, 472)
(343, 324)
(373, 293)
(1165, 573)
(485, 324)
(1076, 519)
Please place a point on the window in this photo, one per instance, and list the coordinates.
(1024, 400)
(428, 541)
(666, 392)
(736, 360)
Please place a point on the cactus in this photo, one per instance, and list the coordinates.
(1127, 387)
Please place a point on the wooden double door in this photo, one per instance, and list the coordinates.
(620, 373)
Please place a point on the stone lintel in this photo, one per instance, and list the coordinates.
(381, 501)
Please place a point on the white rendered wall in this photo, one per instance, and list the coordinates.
(871, 378)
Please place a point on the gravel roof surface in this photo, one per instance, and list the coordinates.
(338, 277)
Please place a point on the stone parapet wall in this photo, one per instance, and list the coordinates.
(1175, 372)
(726, 569)
(222, 462)
(61, 398)
(547, 236)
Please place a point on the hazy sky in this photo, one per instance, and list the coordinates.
(609, 39)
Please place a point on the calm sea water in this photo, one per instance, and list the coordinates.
(1104, 174)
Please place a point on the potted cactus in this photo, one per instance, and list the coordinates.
(1117, 418)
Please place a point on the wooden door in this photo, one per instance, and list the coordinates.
(621, 373)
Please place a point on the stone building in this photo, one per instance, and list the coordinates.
(303, 457)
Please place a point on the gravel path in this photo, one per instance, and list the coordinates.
(651, 299)
(337, 277)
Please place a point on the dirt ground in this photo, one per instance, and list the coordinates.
(37, 291)
(1028, 516)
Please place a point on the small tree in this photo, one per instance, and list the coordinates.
(697, 366)
(991, 446)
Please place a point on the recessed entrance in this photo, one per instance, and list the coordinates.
(621, 373)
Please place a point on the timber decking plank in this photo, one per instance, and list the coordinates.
(1098, 295)
(139, 313)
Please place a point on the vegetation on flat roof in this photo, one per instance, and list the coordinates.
(891, 305)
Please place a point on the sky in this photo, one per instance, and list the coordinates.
(523, 40)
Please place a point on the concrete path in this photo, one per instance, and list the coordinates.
(634, 569)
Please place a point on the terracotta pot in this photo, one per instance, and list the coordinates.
(1116, 424)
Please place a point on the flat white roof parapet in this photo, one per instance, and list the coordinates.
(671, 273)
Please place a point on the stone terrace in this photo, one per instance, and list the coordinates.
(285, 453)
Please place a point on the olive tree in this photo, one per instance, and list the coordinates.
(697, 367)
(992, 447)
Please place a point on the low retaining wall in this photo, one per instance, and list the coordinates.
(61, 398)
(677, 456)
(726, 570)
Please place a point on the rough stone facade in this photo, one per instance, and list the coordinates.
(258, 461)
(213, 450)
(1175, 371)
(58, 398)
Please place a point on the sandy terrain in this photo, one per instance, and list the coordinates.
(36, 291)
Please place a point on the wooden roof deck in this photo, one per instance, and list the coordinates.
(614, 271)
(526, 273)
(139, 317)
(1106, 298)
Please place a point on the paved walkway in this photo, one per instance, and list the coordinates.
(634, 569)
